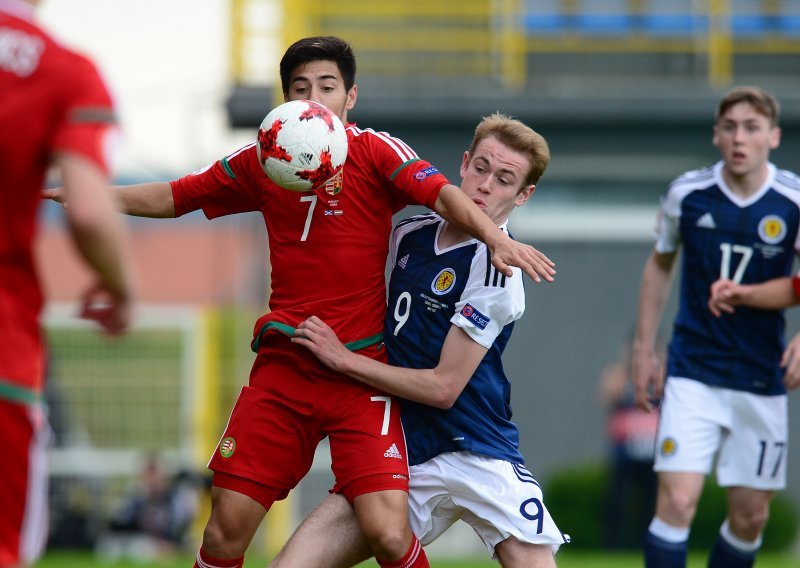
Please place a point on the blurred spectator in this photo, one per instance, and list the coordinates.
(155, 519)
(631, 491)
(75, 521)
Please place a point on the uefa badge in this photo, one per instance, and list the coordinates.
(444, 281)
(772, 229)
(227, 446)
(478, 319)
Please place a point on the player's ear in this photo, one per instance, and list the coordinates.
(774, 138)
(464, 164)
(352, 95)
(524, 194)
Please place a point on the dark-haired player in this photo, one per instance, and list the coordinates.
(328, 252)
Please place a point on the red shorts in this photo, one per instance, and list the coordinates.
(292, 403)
(23, 482)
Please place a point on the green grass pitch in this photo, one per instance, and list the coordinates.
(565, 559)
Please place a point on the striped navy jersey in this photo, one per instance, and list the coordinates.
(431, 289)
(745, 240)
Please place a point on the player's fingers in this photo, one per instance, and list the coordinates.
(539, 270)
(719, 307)
(792, 365)
(538, 264)
(787, 357)
(536, 270)
(309, 325)
(543, 258)
(54, 194)
(658, 387)
(792, 380)
(96, 311)
(640, 395)
(643, 402)
(502, 266)
(101, 316)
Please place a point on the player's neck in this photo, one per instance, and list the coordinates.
(451, 236)
(747, 184)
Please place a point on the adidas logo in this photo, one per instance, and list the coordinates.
(392, 452)
(403, 261)
(706, 222)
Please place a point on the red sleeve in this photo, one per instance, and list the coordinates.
(224, 188)
(414, 180)
(796, 285)
(88, 124)
(423, 180)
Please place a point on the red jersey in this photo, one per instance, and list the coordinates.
(52, 100)
(328, 248)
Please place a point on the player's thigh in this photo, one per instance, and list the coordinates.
(431, 510)
(515, 554)
(329, 537)
(368, 450)
(692, 421)
(270, 440)
(754, 453)
(497, 498)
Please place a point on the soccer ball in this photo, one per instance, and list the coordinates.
(301, 145)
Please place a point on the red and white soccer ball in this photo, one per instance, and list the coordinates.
(301, 145)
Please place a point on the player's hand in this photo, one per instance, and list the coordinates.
(724, 295)
(322, 341)
(790, 362)
(112, 313)
(506, 252)
(648, 378)
(55, 194)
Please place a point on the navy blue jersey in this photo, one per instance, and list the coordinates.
(431, 289)
(745, 240)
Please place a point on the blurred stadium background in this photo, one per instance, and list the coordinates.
(624, 91)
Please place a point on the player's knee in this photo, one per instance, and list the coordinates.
(221, 541)
(388, 543)
(680, 504)
(748, 524)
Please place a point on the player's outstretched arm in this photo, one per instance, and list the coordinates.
(775, 294)
(101, 239)
(648, 377)
(437, 387)
(152, 199)
(457, 208)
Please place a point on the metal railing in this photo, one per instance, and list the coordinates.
(496, 38)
